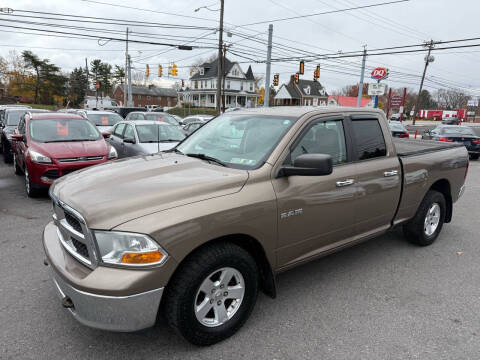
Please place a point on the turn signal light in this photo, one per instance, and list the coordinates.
(405, 135)
(445, 139)
(142, 258)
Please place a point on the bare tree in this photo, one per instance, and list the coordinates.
(452, 99)
(138, 77)
(194, 68)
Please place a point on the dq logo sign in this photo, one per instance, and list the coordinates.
(379, 73)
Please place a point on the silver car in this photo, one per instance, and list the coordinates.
(144, 137)
(103, 120)
(156, 116)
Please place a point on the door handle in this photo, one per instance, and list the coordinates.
(390, 173)
(345, 182)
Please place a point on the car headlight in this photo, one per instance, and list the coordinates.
(39, 158)
(112, 153)
(122, 248)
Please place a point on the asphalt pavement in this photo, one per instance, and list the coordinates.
(383, 299)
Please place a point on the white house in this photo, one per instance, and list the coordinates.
(239, 86)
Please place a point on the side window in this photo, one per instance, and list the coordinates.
(325, 137)
(368, 138)
(21, 126)
(119, 130)
(129, 133)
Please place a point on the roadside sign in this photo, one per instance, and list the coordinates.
(379, 73)
(396, 101)
(375, 89)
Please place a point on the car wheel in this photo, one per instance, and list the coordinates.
(31, 191)
(7, 157)
(213, 293)
(427, 223)
(16, 168)
(474, 156)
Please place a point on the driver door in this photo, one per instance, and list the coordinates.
(315, 213)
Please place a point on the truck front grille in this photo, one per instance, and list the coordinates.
(73, 222)
(80, 247)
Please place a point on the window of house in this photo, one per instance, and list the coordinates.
(139, 97)
(149, 97)
(228, 84)
(201, 84)
(368, 138)
(196, 84)
(212, 84)
(251, 86)
(211, 99)
(205, 84)
(160, 98)
(202, 71)
(241, 86)
(307, 90)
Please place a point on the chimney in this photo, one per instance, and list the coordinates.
(292, 79)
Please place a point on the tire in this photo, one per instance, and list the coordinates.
(184, 293)
(29, 187)
(16, 168)
(474, 156)
(7, 157)
(417, 230)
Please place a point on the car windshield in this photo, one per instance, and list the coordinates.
(63, 130)
(161, 117)
(458, 130)
(397, 127)
(239, 141)
(104, 119)
(158, 133)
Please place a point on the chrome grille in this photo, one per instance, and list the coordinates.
(74, 234)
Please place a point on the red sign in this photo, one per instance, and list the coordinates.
(396, 101)
(379, 73)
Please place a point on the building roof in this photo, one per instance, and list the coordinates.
(211, 69)
(249, 73)
(348, 100)
(316, 89)
(151, 90)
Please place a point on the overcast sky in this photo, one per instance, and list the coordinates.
(404, 23)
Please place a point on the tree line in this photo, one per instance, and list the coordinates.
(31, 79)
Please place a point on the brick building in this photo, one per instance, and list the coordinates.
(148, 95)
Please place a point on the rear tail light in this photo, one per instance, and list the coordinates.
(476, 141)
(405, 135)
(445, 139)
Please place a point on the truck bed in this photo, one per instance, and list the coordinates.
(406, 147)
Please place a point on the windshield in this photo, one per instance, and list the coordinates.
(239, 141)
(458, 130)
(161, 117)
(104, 119)
(397, 127)
(62, 130)
(158, 133)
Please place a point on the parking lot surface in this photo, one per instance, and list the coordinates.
(383, 299)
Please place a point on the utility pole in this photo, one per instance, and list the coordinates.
(266, 100)
(125, 87)
(86, 71)
(219, 57)
(224, 76)
(362, 74)
(428, 59)
(129, 66)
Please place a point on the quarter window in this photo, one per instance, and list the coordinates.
(326, 137)
(368, 138)
(119, 130)
(129, 133)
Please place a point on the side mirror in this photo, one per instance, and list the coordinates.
(18, 137)
(129, 140)
(105, 134)
(308, 165)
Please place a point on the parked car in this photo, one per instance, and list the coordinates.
(196, 118)
(124, 111)
(155, 116)
(51, 145)
(202, 229)
(103, 120)
(193, 126)
(94, 103)
(456, 133)
(7, 127)
(69, 111)
(398, 130)
(396, 117)
(144, 137)
(451, 121)
(178, 118)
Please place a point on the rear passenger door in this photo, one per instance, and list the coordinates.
(127, 147)
(378, 174)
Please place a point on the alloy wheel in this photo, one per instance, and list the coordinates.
(432, 219)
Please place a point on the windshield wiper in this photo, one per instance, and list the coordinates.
(170, 140)
(207, 158)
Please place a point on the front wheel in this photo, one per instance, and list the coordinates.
(427, 223)
(212, 294)
(29, 187)
(16, 168)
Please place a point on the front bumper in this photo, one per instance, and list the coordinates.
(115, 313)
(104, 297)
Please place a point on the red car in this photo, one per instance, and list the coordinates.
(51, 145)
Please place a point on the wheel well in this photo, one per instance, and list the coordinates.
(443, 186)
(255, 249)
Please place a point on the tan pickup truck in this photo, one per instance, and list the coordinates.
(195, 233)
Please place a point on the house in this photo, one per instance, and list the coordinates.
(238, 86)
(351, 101)
(148, 95)
(303, 93)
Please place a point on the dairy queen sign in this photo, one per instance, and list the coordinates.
(379, 73)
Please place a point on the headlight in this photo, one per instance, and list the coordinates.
(39, 158)
(112, 153)
(122, 248)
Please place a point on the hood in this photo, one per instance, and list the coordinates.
(72, 149)
(153, 148)
(112, 193)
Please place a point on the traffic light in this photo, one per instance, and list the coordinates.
(275, 80)
(160, 70)
(174, 70)
(183, 83)
(302, 67)
(147, 71)
(317, 71)
(315, 78)
(297, 78)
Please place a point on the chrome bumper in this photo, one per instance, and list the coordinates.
(115, 313)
